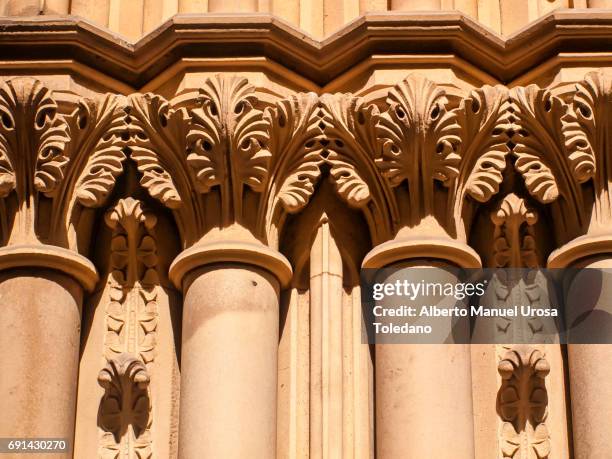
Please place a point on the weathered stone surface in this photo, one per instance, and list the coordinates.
(183, 221)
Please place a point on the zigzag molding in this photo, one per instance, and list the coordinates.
(262, 35)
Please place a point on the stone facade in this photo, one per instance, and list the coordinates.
(184, 217)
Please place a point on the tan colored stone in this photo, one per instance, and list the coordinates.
(229, 363)
(41, 323)
(188, 165)
(412, 385)
(591, 395)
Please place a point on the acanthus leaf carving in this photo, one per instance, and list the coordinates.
(26, 105)
(296, 134)
(125, 408)
(349, 185)
(98, 128)
(205, 139)
(586, 130)
(579, 123)
(249, 135)
(486, 125)
(299, 186)
(7, 169)
(349, 130)
(33, 154)
(155, 130)
(419, 138)
(514, 239)
(542, 159)
(536, 139)
(227, 141)
(133, 273)
(51, 159)
(417, 129)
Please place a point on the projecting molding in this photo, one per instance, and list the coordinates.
(263, 35)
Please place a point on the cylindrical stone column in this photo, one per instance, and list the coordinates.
(229, 349)
(423, 391)
(590, 373)
(40, 323)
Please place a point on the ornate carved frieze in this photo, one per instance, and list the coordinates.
(231, 164)
(221, 157)
(130, 339)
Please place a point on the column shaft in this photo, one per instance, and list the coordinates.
(229, 363)
(40, 317)
(424, 394)
(590, 373)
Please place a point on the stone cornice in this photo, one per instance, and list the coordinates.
(320, 61)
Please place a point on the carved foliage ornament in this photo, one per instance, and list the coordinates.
(296, 135)
(29, 123)
(98, 128)
(125, 409)
(221, 137)
(424, 140)
(514, 243)
(420, 140)
(523, 403)
(586, 132)
(485, 124)
(33, 138)
(557, 146)
(131, 328)
(308, 132)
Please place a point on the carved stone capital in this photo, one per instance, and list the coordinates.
(55, 162)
